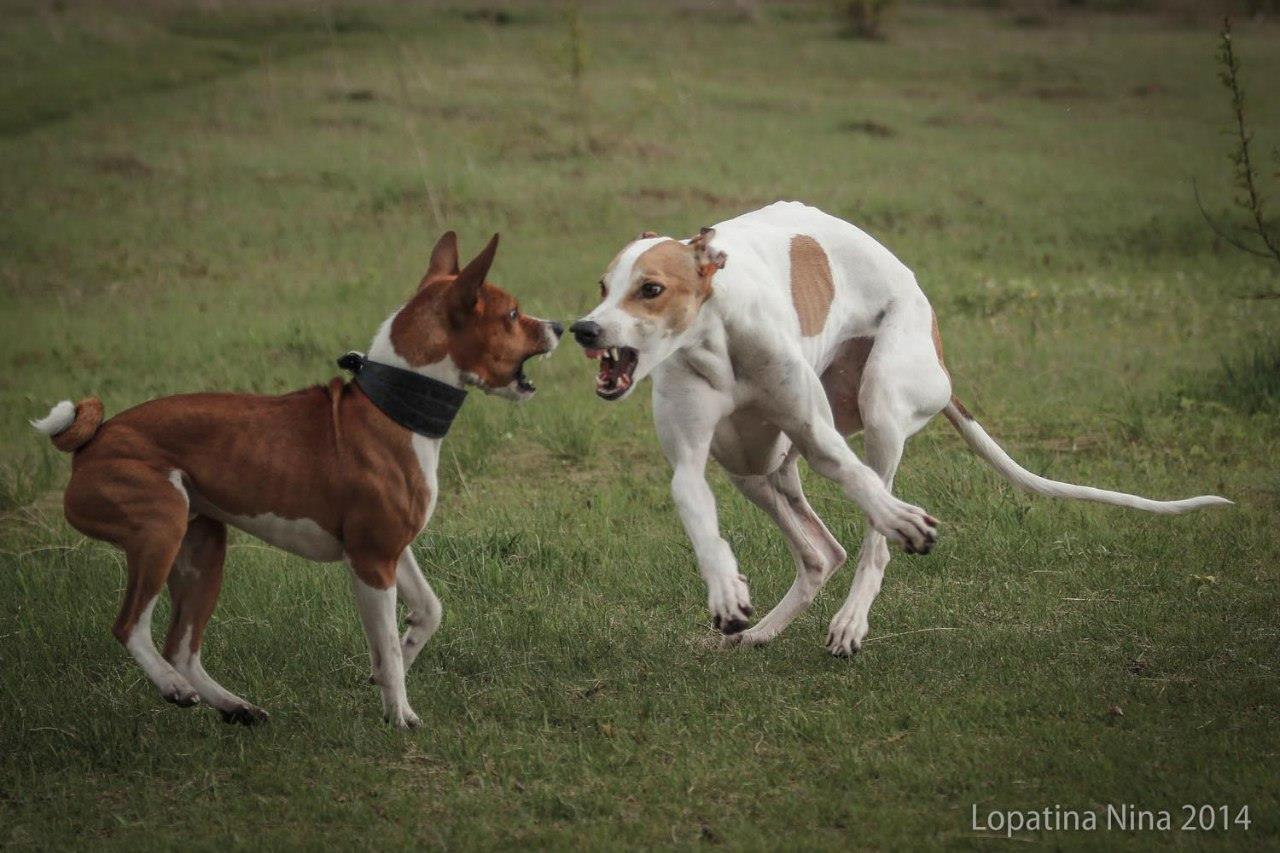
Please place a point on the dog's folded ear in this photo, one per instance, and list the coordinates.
(646, 235)
(707, 257)
(466, 287)
(444, 258)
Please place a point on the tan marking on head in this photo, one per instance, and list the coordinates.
(673, 265)
(613, 264)
(811, 286)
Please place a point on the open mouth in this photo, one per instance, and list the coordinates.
(617, 364)
(522, 379)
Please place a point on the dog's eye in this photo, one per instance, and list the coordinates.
(604, 292)
(651, 289)
(513, 313)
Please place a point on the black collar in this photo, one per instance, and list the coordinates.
(418, 403)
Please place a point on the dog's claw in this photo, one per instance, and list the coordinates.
(245, 715)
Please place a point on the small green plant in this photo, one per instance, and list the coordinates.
(1251, 384)
(1264, 234)
(576, 63)
(864, 19)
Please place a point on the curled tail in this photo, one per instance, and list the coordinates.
(986, 447)
(70, 425)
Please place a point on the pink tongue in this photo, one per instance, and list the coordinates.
(593, 353)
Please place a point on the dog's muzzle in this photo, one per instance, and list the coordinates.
(586, 333)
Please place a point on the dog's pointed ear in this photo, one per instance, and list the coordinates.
(444, 258)
(466, 287)
(708, 258)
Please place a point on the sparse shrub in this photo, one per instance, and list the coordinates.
(1263, 233)
(864, 18)
(576, 61)
(576, 49)
(1251, 384)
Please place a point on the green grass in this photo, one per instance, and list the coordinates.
(230, 199)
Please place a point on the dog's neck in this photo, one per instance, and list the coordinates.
(383, 349)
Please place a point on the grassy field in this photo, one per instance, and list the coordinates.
(229, 199)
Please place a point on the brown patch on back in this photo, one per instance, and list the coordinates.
(673, 265)
(843, 379)
(812, 288)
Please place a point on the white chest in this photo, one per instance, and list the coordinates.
(427, 450)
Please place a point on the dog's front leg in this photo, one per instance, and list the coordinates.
(686, 423)
(803, 412)
(374, 582)
(425, 611)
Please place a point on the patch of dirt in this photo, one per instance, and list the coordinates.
(963, 120)
(359, 96)
(1062, 92)
(1147, 90)
(458, 111)
(869, 127)
(497, 17)
(123, 165)
(344, 123)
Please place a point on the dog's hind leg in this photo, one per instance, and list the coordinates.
(816, 552)
(849, 626)
(904, 385)
(194, 585)
(142, 511)
(425, 611)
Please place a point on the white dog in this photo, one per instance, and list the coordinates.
(775, 335)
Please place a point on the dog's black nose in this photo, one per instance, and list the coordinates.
(586, 332)
(557, 328)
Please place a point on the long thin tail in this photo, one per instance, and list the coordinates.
(71, 425)
(986, 447)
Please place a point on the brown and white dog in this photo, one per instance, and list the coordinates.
(812, 332)
(322, 473)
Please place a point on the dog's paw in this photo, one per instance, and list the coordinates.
(747, 639)
(182, 695)
(909, 526)
(403, 718)
(244, 715)
(845, 635)
(729, 601)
